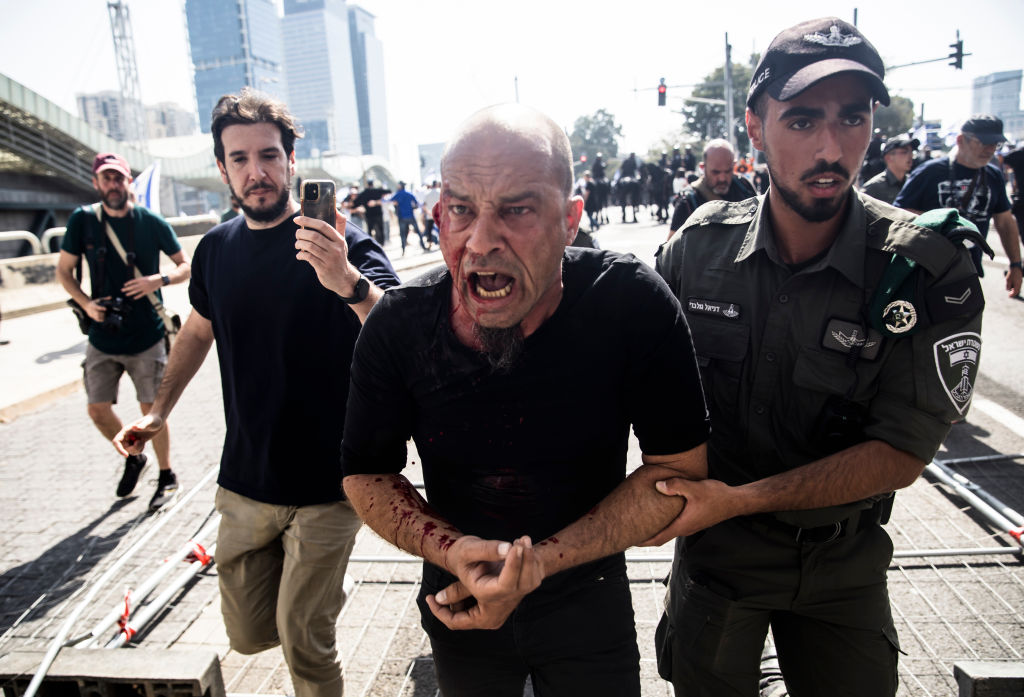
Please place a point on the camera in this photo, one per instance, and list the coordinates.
(117, 308)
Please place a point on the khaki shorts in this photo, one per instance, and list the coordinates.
(102, 372)
(281, 572)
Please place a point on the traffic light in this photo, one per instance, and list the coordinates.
(583, 158)
(661, 92)
(957, 55)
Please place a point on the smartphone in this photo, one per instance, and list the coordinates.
(318, 201)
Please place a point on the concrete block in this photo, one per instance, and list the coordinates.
(989, 678)
(116, 673)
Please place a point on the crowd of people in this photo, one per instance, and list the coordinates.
(779, 391)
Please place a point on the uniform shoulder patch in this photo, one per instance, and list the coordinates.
(956, 360)
(962, 298)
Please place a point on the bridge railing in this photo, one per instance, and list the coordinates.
(22, 236)
(184, 226)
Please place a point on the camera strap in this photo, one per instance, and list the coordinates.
(170, 325)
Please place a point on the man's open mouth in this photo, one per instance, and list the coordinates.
(488, 284)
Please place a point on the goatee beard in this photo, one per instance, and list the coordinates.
(501, 346)
(268, 214)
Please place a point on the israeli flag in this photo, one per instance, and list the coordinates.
(146, 187)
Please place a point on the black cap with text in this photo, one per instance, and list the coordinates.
(809, 52)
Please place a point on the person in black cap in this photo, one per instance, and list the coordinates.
(825, 394)
(970, 183)
(898, 154)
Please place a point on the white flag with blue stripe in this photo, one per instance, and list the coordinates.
(146, 187)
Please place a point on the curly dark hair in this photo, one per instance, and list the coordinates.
(248, 107)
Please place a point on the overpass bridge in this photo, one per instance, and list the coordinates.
(46, 158)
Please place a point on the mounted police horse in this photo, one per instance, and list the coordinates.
(627, 192)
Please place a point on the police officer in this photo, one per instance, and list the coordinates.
(825, 395)
(898, 154)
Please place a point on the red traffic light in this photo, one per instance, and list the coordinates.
(661, 92)
(583, 158)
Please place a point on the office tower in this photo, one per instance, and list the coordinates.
(368, 68)
(999, 94)
(105, 111)
(234, 43)
(318, 70)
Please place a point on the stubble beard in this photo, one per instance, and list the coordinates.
(115, 200)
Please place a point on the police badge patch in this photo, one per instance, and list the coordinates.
(956, 359)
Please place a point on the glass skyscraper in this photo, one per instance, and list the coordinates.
(234, 44)
(318, 68)
(368, 69)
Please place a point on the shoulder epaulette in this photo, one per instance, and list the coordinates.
(724, 213)
(891, 230)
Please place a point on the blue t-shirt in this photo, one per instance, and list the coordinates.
(85, 235)
(407, 203)
(935, 185)
(285, 346)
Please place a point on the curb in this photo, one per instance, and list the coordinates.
(31, 404)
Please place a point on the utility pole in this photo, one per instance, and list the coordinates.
(729, 129)
(127, 74)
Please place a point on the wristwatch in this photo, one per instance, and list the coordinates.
(166, 279)
(360, 292)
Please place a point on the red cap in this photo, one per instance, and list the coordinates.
(111, 160)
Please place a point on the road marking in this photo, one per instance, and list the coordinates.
(1001, 414)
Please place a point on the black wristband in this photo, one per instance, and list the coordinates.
(361, 290)
(165, 279)
(1016, 265)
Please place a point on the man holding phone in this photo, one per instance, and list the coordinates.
(286, 531)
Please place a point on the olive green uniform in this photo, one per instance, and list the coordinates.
(884, 186)
(793, 371)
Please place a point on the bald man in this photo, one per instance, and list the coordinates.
(719, 183)
(523, 451)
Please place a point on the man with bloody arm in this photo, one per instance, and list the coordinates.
(523, 446)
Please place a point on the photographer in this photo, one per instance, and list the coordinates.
(126, 333)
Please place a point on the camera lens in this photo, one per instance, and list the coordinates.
(312, 192)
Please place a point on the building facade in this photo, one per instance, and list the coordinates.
(999, 94)
(368, 68)
(105, 111)
(318, 69)
(234, 44)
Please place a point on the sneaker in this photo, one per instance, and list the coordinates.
(133, 467)
(166, 490)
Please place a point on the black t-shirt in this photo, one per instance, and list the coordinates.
(376, 212)
(285, 345)
(1015, 161)
(534, 449)
(933, 185)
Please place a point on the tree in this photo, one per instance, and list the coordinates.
(896, 118)
(595, 134)
(706, 121)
